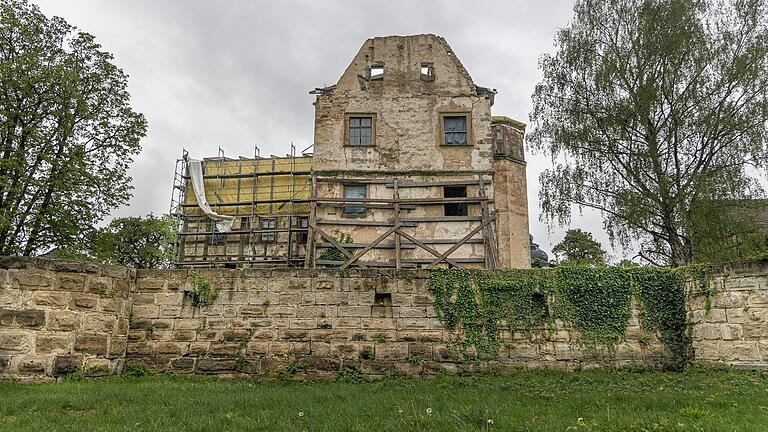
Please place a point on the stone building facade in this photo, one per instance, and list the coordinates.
(409, 169)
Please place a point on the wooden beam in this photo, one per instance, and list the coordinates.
(334, 243)
(426, 248)
(397, 223)
(457, 245)
(369, 247)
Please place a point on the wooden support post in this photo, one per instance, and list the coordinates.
(397, 224)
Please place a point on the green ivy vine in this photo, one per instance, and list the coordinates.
(595, 301)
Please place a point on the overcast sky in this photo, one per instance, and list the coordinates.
(234, 74)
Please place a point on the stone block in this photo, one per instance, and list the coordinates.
(15, 342)
(715, 316)
(281, 311)
(311, 312)
(31, 279)
(99, 323)
(730, 299)
(145, 311)
(253, 311)
(706, 350)
(150, 284)
(739, 350)
(731, 331)
(32, 365)
(300, 335)
(183, 364)
(9, 297)
(412, 323)
(23, 318)
(354, 311)
(755, 331)
(55, 343)
(413, 312)
(73, 282)
(173, 348)
(325, 284)
(758, 299)
(225, 349)
(333, 298)
(66, 364)
(706, 332)
(50, 298)
(117, 347)
(257, 348)
(264, 335)
(345, 350)
(199, 348)
(420, 350)
(98, 367)
(300, 348)
(91, 344)
(87, 301)
(169, 298)
(307, 323)
(392, 350)
(63, 320)
(216, 365)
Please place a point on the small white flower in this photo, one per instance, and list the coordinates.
(301, 414)
(490, 422)
(400, 410)
(429, 411)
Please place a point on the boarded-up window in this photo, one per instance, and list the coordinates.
(354, 192)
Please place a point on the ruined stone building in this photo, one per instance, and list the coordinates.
(408, 169)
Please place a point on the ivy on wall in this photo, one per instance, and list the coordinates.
(596, 302)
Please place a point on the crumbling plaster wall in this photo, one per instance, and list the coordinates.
(407, 111)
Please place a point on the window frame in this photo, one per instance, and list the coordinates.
(376, 65)
(268, 237)
(430, 75)
(354, 115)
(345, 210)
(303, 223)
(468, 128)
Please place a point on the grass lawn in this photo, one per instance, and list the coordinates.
(527, 401)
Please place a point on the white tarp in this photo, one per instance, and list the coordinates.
(223, 222)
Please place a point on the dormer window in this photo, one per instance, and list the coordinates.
(427, 71)
(376, 72)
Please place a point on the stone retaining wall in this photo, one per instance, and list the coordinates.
(730, 325)
(56, 317)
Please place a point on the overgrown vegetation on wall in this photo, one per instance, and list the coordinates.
(595, 302)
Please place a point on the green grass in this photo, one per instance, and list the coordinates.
(527, 401)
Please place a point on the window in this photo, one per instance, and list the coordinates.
(376, 72)
(360, 132)
(455, 209)
(455, 130)
(268, 224)
(304, 225)
(355, 192)
(217, 237)
(427, 71)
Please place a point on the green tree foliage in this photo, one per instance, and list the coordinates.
(67, 132)
(650, 107)
(579, 248)
(135, 242)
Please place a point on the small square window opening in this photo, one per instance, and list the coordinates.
(455, 209)
(377, 72)
(427, 71)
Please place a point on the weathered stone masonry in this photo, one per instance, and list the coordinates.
(56, 317)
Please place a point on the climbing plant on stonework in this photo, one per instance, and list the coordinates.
(595, 302)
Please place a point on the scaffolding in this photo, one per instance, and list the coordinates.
(281, 221)
(267, 196)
